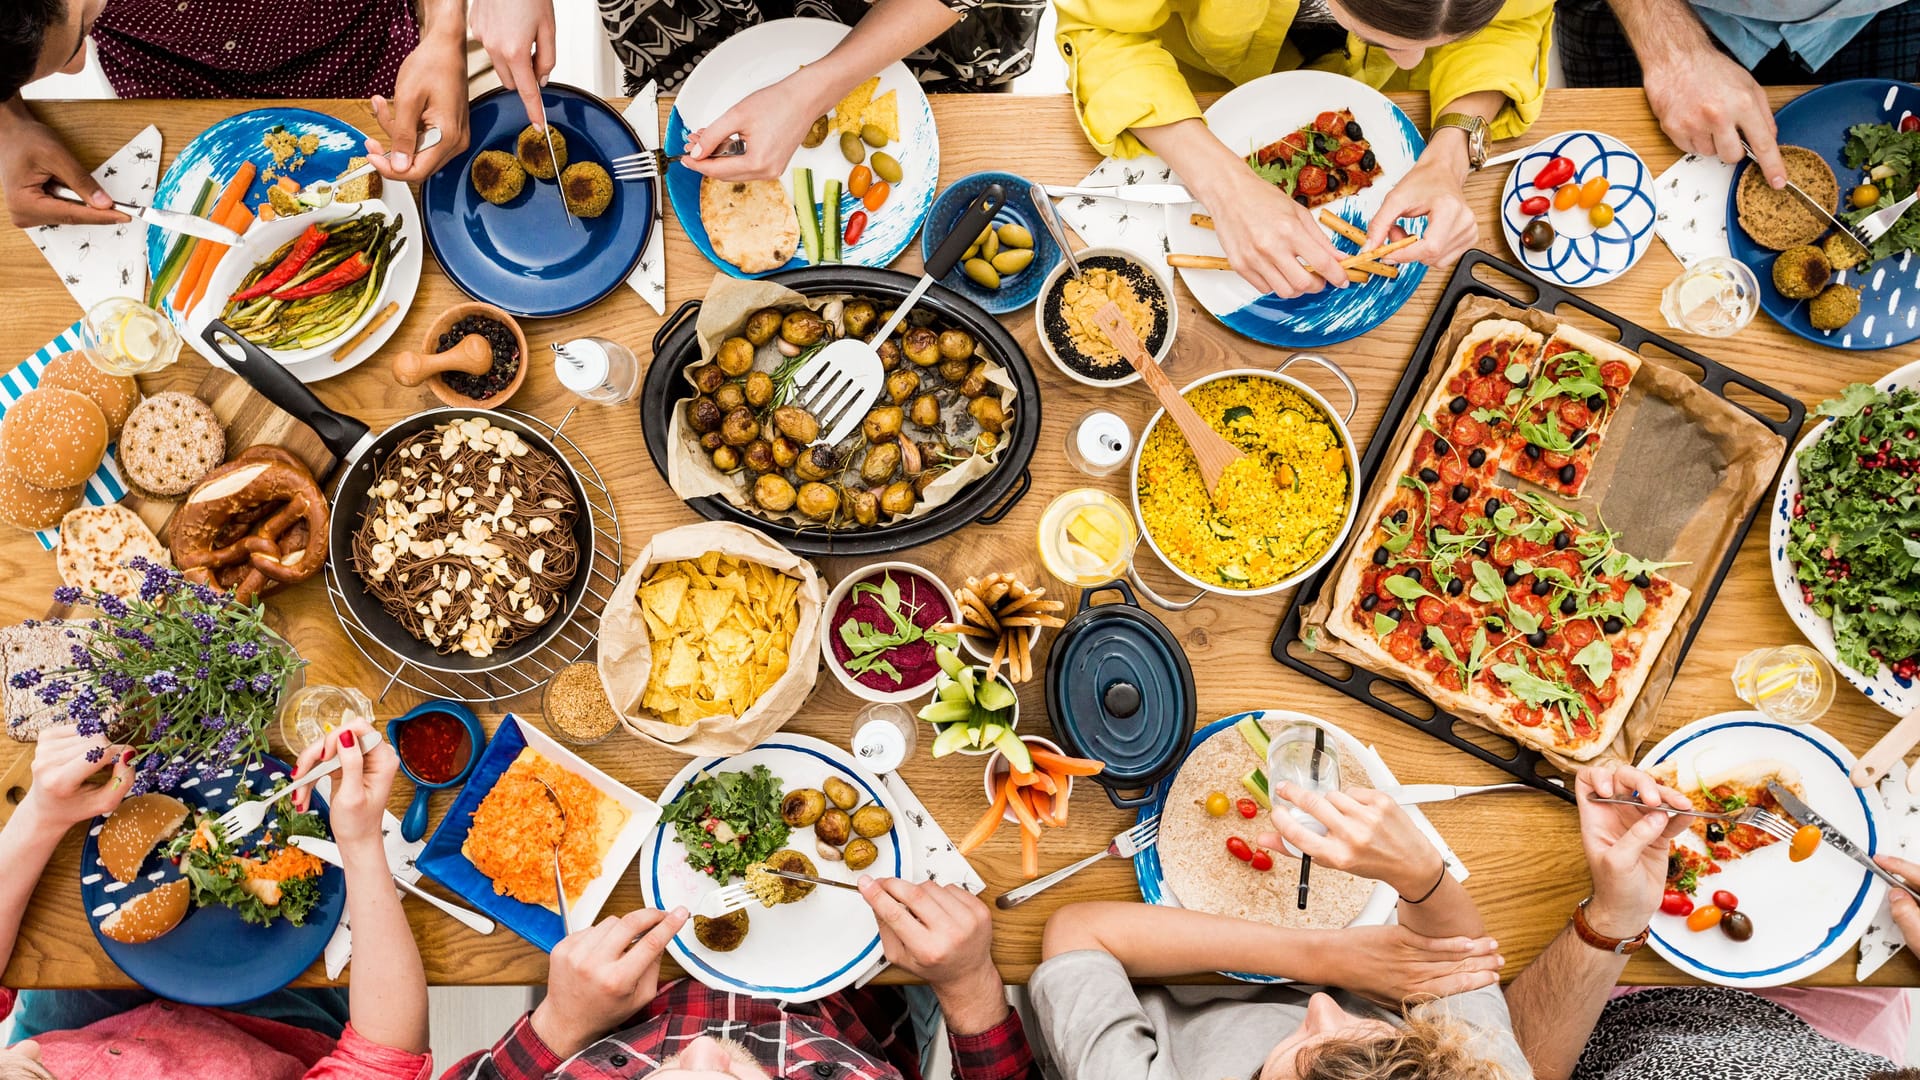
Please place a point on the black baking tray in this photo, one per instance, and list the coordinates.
(1523, 764)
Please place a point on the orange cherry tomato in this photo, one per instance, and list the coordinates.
(1601, 216)
(1804, 842)
(859, 180)
(1566, 196)
(876, 195)
(1592, 192)
(1705, 917)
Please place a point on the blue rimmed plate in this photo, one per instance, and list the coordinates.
(1255, 114)
(212, 958)
(442, 861)
(522, 257)
(1582, 255)
(1014, 292)
(793, 952)
(1818, 120)
(1805, 915)
(757, 58)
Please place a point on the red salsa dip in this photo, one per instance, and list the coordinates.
(920, 603)
(434, 746)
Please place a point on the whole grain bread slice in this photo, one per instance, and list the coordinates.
(1778, 219)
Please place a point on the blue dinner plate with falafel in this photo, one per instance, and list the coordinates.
(520, 253)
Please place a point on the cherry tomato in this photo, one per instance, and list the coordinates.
(1555, 172)
(1313, 180)
(1535, 206)
(1329, 123)
(1262, 861)
(1725, 900)
(1593, 191)
(1565, 196)
(1703, 918)
(1239, 849)
(1675, 902)
(856, 224)
(1615, 373)
(1601, 216)
(1217, 804)
(1737, 925)
(1863, 196)
(1429, 610)
(1803, 843)
(1910, 123)
(876, 195)
(1537, 236)
(1248, 808)
(859, 180)
(1350, 154)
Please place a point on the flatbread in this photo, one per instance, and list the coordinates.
(97, 542)
(750, 223)
(1202, 876)
(44, 648)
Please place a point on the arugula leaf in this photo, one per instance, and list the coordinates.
(1383, 625)
(1487, 586)
(1633, 605)
(1596, 660)
(746, 803)
(1523, 620)
(1516, 373)
(1406, 588)
(1546, 436)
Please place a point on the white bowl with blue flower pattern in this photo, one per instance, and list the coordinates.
(1582, 255)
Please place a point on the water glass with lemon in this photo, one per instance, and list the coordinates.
(1714, 297)
(126, 337)
(1790, 684)
(1086, 537)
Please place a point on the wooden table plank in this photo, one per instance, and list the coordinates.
(1523, 850)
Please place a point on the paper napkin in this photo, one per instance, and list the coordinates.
(1690, 200)
(1139, 227)
(649, 279)
(98, 261)
(935, 858)
(105, 485)
(1883, 938)
(400, 856)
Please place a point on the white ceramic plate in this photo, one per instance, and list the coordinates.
(314, 364)
(1898, 696)
(793, 952)
(1582, 255)
(1805, 915)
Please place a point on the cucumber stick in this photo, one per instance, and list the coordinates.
(830, 222)
(803, 206)
(176, 260)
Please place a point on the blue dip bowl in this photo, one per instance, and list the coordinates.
(1017, 291)
(413, 825)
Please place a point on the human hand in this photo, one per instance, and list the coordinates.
(430, 91)
(771, 122)
(1266, 234)
(944, 935)
(1391, 964)
(360, 788)
(1626, 848)
(1431, 189)
(36, 157)
(518, 36)
(63, 763)
(600, 976)
(1906, 912)
(1368, 835)
(1707, 103)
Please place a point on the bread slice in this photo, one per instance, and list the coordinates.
(358, 191)
(135, 829)
(150, 915)
(1779, 219)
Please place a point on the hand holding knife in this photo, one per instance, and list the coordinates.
(1798, 809)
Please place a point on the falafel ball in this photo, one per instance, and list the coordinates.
(532, 150)
(1843, 251)
(588, 188)
(497, 176)
(1800, 272)
(1834, 308)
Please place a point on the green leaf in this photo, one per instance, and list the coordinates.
(1487, 586)
(1523, 620)
(1633, 605)
(1444, 647)
(1855, 397)
(1383, 625)
(1406, 588)
(1596, 660)
(1516, 373)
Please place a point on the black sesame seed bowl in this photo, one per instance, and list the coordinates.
(489, 389)
(1056, 340)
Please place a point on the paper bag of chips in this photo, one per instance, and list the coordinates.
(711, 640)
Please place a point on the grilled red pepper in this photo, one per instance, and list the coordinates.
(353, 269)
(304, 250)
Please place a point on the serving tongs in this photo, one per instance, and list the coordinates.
(1211, 450)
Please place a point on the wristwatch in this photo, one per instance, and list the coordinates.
(1476, 129)
(1622, 946)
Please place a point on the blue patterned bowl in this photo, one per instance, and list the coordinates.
(1014, 292)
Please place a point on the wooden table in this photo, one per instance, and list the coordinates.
(1523, 850)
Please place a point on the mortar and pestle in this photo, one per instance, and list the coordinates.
(471, 355)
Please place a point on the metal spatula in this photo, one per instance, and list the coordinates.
(843, 380)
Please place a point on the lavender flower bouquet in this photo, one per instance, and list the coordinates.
(184, 674)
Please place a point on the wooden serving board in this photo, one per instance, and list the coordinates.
(13, 786)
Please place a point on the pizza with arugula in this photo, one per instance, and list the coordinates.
(1326, 160)
(1707, 846)
(1555, 422)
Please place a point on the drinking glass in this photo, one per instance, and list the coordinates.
(1303, 755)
(126, 337)
(1714, 297)
(1790, 684)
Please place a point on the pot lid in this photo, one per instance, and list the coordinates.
(1119, 689)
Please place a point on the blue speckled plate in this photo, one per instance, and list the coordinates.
(1582, 255)
(1014, 292)
(1890, 300)
(1255, 114)
(212, 958)
(522, 257)
(1896, 695)
(763, 55)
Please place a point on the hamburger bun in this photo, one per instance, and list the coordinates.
(135, 829)
(150, 915)
(24, 506)
(115, 394)
(53, 438)
(1780, 219)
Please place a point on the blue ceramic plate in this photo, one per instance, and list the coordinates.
(1255, 114)
(1014, 292)
(212, 958)
(442, 861)
(1806, 915)
(1582, 255)
(1818, 120)
(757, 58)
(522, 257)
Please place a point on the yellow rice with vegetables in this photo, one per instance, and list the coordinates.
(1278, 509)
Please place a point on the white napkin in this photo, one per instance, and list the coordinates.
(105, 486)
(935, 858)
(649, 279)
(1691, 203)
(1139, 227)
(99, 261)
(1883, 938)
(400, 856)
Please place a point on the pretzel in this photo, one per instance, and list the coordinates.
(252, 525)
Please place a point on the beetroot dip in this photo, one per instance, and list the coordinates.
(920, 601)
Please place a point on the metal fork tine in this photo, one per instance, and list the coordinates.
(811, 386)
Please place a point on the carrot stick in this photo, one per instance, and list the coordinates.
(1045, 781)
(988, 823)
(1017, 802)
(239, 219)
(232, 195)
(1061, 765)
(1060, 805)
(1024, 779)
(1030, 854)
(1042, 806)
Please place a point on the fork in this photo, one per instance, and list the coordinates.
(247, 816)
(1125, 846)
(1756, 817)
(649, 164)
(1875, 225)
(559, 885)
(724, 901)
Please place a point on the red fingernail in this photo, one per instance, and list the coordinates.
(297, 770)
(127, 757)
(346, 738)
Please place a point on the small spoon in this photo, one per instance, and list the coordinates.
(1050, 220)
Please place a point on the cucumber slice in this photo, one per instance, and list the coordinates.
(950, 661)
(830, 223)
(1016, 751)
(1256, 736)
(970, 679)
(947, 712)
(993, 695)
(950, 739)
(991, 732)
(953, 691)
(1256, 784)
(804, 208)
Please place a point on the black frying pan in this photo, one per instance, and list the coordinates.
(358, 454)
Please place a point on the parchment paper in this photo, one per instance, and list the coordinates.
(626, 652)
(1678, 471)
(692, 474)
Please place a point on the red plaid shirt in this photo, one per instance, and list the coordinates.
(860, 1034)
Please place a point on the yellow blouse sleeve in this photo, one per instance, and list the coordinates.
(1508, 55)
(1119, 73)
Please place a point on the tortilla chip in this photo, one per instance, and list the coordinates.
(848, 114)
(710, 607)
(710, 563)
(884, 112)
(684, 667)
(663, 595)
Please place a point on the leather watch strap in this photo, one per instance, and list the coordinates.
(1621, 946)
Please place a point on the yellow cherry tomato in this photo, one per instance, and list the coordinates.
(1601, 216)
(1592, 192)
(1565, 196)
(1217, 804)
(1705, 917)
(1803, 843)
(1864, 196)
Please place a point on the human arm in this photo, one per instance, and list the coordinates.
(35, 157)
(1705, 101)
(772, 122)
(429, 91)
(518, 36)
(1558, 998)
(59, 798)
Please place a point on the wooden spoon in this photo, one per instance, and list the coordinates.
(473, 356)
(1888, 752)
(1210, 449)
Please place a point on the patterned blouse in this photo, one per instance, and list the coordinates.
(254, 48)
(664, 39)
(1713, 1033)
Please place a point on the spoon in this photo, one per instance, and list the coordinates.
(1043, 206)
(1211, 450)
(320, 193)
(559, 885)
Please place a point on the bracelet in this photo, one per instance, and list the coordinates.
(1428, 895)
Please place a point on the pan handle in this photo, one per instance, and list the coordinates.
(342, 433)
(1353, 395)
(993, 517)
(680, 314)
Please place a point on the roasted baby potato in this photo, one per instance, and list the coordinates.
(730, 396)
(925, 411)
(705, 415)
(834, 827)
(817, 501)
(803, 807)
(726, 458)
(773, 492)
(740, 428)
(924, 479)
(759, 456)
(796, 423)
(882, 461)
(954, 370)
(898, 498)
(762, 325)
(922, 346)
(975, 383)
(803, 328)
(890, 355)
(841, 793)
(816, 463)
(859, 317)
(712, 441)
(707, 377)
(723, 934)
(956, 345)
(864, 506)
(901, 384)
(860, 853)
(735, 356)
(759, 388)
(883, 423)
(986, 412)
(785, 452)
(872, 820)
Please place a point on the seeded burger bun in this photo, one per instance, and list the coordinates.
(150, 915)
(115, 394)
(134, 829)
(1779, 219)
(24, 506)
(53, 438)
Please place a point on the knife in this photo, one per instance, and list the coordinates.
(1164, 194)
(169, 220)
(1801, 812)
(1415, 794)
(553, 158)
(795, 875)
(329, 852)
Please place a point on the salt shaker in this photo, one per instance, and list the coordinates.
(597, 369)
(1099, 443)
